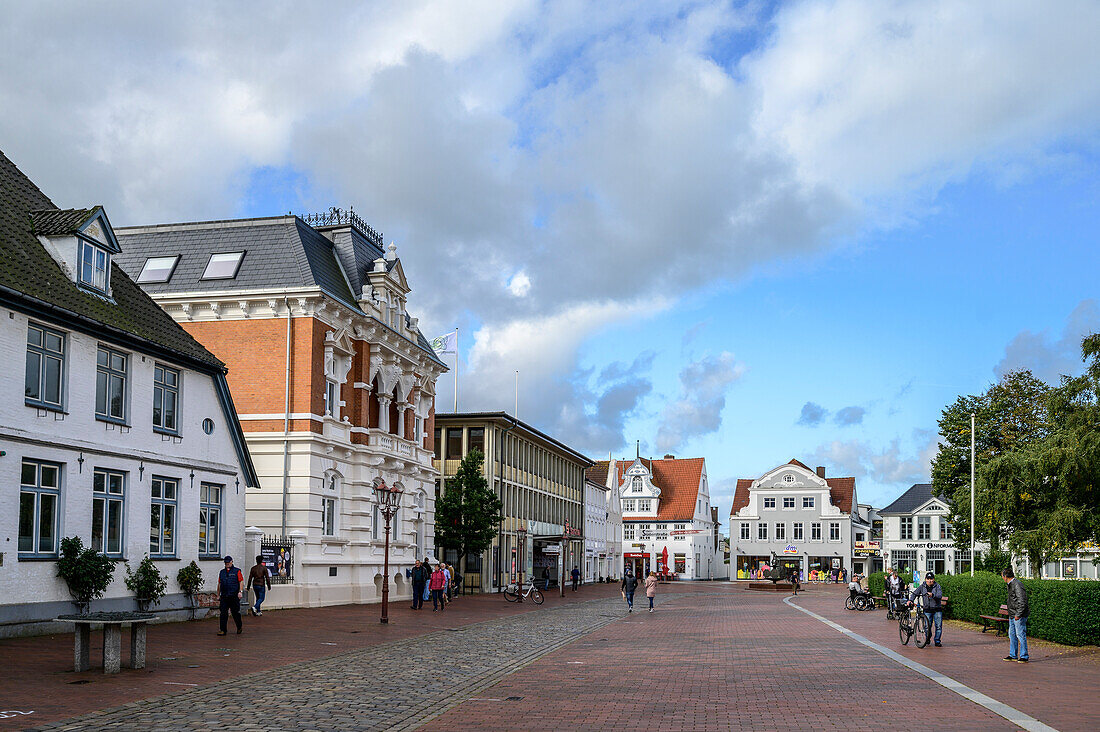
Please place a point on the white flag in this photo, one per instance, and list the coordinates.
(446, 343)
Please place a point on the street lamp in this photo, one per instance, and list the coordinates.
(389, 499)
(521, 541)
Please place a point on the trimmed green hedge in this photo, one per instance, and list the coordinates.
(1063, 611)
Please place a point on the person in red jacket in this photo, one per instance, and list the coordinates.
(437, 584)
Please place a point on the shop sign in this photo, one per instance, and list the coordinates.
(930, 545)
(571, 530)
(1069, 570)
(868, 548)
(635, 555)
(681, 532)
(790, 549)
(551, 549)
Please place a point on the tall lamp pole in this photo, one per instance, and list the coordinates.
(972, 453)
(389, 499)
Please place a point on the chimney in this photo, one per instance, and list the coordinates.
(670, 457)
(821, 471)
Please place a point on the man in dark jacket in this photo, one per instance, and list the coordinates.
(932, 593)
(420, 577)
(630, 583)
(1017, 617)
(230, 591)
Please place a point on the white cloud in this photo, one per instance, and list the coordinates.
(1049, 357)
(520, 284)
(698, 411)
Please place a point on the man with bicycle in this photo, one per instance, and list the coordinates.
(930, 596)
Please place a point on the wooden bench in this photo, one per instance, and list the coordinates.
(999, 621)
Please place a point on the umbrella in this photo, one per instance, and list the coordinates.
(664, 560)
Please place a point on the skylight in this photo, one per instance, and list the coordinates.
(158, 269)
(223, 266)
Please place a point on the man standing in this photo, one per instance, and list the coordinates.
(933, 603)
(420, 577)
(230, 586)
(259, 577)
(576, 577)
(630, 583)
(1017, 617)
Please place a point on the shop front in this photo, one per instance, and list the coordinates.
(636, 562)
(868, 557)
(752, 567)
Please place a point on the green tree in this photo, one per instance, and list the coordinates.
(1008, 416)
(468, 513)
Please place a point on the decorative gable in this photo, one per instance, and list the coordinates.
(81, 241)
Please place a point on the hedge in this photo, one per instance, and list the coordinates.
(1062, 611)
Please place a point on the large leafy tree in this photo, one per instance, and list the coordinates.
(468, 513)
(1009, 415)
(1046, 493)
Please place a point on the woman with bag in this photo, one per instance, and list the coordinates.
(651, 588)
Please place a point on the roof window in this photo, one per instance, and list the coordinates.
(158, 269)
(223, 266)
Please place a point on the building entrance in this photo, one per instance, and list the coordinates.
(636, 562)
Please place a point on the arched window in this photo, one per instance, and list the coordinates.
(636, 484)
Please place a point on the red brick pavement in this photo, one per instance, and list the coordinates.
(716, 659)
(37, 673)
(1048, 688)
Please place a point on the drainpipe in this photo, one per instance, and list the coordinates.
(286, 419)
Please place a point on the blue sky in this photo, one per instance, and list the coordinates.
(747, 231)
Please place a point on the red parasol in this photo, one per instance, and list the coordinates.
(664, 560)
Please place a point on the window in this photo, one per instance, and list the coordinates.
(110, 385)
(437, 446)
(208, 426)
(39, 496)
(636, 484)
(95, 264)
(158, 269)
(780, 532)
(328, 516)
(744, 531)
(788, 502)
(834, 531)
(628, 533)
(798, 532)
(628, 504)
(788, 478)
(924, 528)
(454, 443)
(815, 531)
(762, 531)
(904, 560)
(418, 428)
(860, 536)
(906, 528)
(769, 503)
(162, 518)
(108, 499)
(807, 501)
(210, 519)
(166, 398)
(223, 266)
(332, 405)
(643, 505)
(45, 366)
(476, 439)
(945, 528)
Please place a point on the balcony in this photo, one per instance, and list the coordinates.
(393, 446)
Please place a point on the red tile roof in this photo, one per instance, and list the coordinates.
(841, 492)
(678, 479)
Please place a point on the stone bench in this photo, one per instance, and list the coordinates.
(112, 639)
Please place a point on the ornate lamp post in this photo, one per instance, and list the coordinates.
(389, 499)
(521, 542)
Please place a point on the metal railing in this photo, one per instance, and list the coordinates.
(339, 217)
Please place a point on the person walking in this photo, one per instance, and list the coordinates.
(932, 593)
(629, 585)
(651, 588)
(259, 578)
(230, 591)
(420, 577)
(449, 580)
(575, 575)
(795, 584)
(1017, 617)
(436, 584)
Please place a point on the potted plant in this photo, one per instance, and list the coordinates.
(147, 583)
(87, 573)
(189, 579)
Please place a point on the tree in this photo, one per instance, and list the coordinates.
(468, 513)
(1008, 416)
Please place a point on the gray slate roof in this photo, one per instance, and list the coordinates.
(29, 275)
(912, 499)
(280, 252)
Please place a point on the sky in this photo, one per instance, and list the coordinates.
(744, 231)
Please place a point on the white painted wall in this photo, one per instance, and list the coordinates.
(30, 590)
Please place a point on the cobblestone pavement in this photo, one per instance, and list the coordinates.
(388, 687)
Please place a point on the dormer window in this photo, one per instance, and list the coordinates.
(158, 269)
(223, 266)
(636, 485)
(95, 266)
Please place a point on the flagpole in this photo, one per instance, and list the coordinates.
(517, 394)
(456, 370)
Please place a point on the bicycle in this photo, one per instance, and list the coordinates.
(513, 593)
(908, 625)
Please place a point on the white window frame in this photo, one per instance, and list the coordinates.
(162, 544)
(808, 501)
(788, 502)
(781, 531)
(762, 531)
(924, 528)
(906, 528)
(746, 531)
(328, 516)
(815, 531)
(95, 273)
(834, 531)
(796, 531)
(769, 502)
